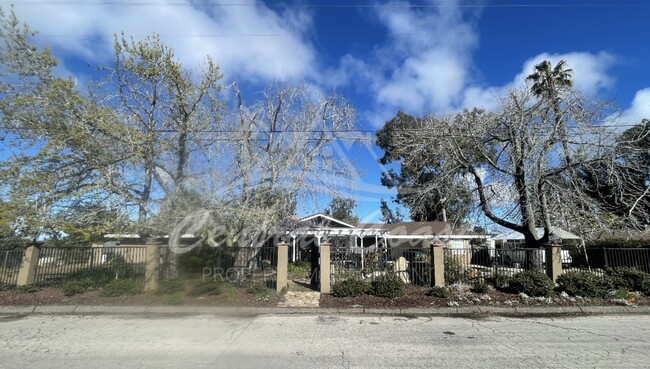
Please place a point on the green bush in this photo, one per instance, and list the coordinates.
(121, 287)
(300, 269)
(3, 287)
(631, 279)
(256, 288)
(440, 292)
(173, 299)
(531, 282)
(28, 288)
(171, 286)
(584, 284)
(208, 287)
(99, 277)
(75, 286)
(501, 282)
(352, 287)
(454, 271)
(388, 285)
(622, 294)
(480, 287)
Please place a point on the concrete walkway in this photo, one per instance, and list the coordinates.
(298, 295)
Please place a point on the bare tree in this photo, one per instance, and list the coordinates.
(523, 165)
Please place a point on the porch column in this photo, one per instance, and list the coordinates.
(362, 253)
(293, 246)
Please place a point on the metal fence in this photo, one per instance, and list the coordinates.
(10, 260)
(482, 264)
(56, 265)
(243, 266)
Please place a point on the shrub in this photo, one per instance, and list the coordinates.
(531, 282)
(28, 288)
(584, 284)
(171, 286)
(622, 294)
(300, 269)
(173, 299)
(256, 288)
(210, 288)
(501, 282)
(631, 279)
(352, 287)
(440, 292)
(454, 271)
(75, 286)
(388, 285)
(3, 287)
(121, 287)
(480, 287)
(98, 277)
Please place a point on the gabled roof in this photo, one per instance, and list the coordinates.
(326, 221)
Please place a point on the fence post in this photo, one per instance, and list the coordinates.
(152, 266)
(325, 268)
(437, 263)
(553, 260)
(282, 268)
(27, 272)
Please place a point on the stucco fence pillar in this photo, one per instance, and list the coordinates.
(325, 273)
(553, 261)
(152, 266)
(27, 271)
(437, 249)
(282, 269)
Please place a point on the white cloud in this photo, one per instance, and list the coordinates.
(247, 41)
(639, 108)
(590, 75)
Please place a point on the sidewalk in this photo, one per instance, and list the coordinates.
(468, 311)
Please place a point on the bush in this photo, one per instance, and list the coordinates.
(531, 282)
(480, 287)
(301, 269)
(584, 284)
(28, 288)
(76, 286)
(171, 286)
(502, 282)
(98, 277)
(121, 287)
(388, 285)
(440, 292)
(631, 279)
(352, 287)
(454, 271)
(173, 299)
(209, 287)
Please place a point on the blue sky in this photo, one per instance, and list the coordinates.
(420, 56)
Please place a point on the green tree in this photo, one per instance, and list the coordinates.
(413, 182)
(387, 214)
(343, 209)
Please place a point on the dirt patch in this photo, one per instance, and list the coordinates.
(54, 296)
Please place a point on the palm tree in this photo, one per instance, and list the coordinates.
(547, 84)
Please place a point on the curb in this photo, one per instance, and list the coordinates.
(464, 311)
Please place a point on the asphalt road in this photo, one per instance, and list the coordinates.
(73, 341)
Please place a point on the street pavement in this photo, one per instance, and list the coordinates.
(322, 341)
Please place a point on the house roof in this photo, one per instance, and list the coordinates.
(412, 228)
(516, 236)
(325, 220)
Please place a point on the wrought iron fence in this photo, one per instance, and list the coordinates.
(10, 260)
(481, 264)
(243, 266)
(56, 265)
